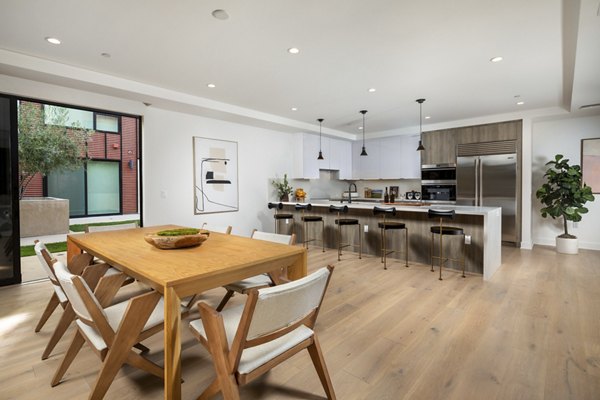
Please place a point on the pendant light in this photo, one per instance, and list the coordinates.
(364, 151)
(320, 152)
(421, 147)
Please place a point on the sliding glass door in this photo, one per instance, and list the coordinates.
(10, 258)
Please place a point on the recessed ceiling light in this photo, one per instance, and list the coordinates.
(220, 14)
(211, 85)
(293, 50)
(52, 40)
(106, 55)
(360, 128)
(371, 90)
(427, 117)
(520, 103)
(496, 59)
(294, 109)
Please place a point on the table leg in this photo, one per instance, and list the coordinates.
(72, 250)
(298, 269)
(172, 345)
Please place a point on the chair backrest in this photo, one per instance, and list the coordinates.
(338, 209)
(274, 237)
(75, 295)
(220, 229)
(303, 207)
(45, 258)
(104, 228)
(276, 310)
(384, 211)
(277, 206)
(442, 214)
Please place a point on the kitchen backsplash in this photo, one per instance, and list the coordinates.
(328, 186)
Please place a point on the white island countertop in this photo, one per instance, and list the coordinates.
(491, 217)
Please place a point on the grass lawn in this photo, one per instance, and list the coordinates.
(27, 251)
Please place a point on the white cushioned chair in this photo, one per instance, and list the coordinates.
(111, 332)
(262, 280)
(226, 229)
(115, 227)
(274, 324)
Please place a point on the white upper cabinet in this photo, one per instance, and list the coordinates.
(388, 158)
(336, 154)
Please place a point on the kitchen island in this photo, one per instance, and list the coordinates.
(482, 224)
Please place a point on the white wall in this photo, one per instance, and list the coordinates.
(168, 168)
(563, 136)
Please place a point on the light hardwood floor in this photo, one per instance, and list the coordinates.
(533, 332)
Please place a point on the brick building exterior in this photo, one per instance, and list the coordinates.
(123, 146)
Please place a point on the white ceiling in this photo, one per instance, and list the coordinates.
(436, 49)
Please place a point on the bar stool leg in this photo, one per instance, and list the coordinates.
(441, 254)
(323, 234)
(431, 252)
(276, 226)
(382, 245)
(406, 248)
(304, 231)
(384, 249)
(339, 236)
(463, 256)
(359, 242)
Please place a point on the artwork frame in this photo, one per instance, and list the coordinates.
(590, 163)
(216, 188)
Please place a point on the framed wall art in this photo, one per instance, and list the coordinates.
(215, 176)
(590, 163)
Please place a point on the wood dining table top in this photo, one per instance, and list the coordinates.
(219, 260)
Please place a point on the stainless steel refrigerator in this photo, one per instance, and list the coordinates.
(491, 181)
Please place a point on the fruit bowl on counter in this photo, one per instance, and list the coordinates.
(177, 238)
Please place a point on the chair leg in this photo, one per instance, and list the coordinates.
(441, 254)
(144, 364)
(225, 299)
(68, 358)
(406, 248)
(50, 307)
(359, 242)
(65, 321)
(319, 362)
(323, 235)
(210, 391)
(431, 252)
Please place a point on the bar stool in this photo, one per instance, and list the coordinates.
(306, 219)
(384, 226)
(346, 222)
(279, 215)
(445, 231)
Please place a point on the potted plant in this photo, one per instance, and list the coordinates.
(564, 195)
(283, 188)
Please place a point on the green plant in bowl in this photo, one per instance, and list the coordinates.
(179, 232)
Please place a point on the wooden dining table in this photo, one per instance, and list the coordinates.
(178, 273)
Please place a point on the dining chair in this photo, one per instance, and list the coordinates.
(111, 331)
(274, 324)
(217, 228)
(262, 280)
(77, 265)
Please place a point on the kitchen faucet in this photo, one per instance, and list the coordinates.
(350, 192)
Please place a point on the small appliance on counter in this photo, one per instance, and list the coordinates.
(413, 195)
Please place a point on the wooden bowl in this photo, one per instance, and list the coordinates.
(176, 242)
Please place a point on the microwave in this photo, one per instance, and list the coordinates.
(438, 192)
(438, 174)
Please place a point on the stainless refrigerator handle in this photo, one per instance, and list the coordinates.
(480, 174)
(476, 175)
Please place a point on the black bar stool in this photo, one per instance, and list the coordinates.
(387, 225)
(306, 219)
(442, 231)
(279, 215)
(346, 222)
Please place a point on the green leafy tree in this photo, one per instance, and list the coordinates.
(563, 194)
(282, 186)
(46, 144)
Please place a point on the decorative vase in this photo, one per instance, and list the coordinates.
(567, 245)
(285, 197)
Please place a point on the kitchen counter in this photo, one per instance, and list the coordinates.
(482, 224)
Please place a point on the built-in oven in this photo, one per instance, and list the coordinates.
(438, 182)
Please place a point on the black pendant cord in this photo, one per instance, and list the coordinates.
(421, 147)
(320, 157)
(364, 150)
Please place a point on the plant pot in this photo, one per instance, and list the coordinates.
(285, 197)
(567, 245)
